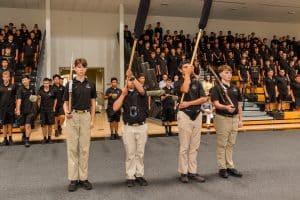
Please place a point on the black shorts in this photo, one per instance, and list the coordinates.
(283, 96)
(244, 80)
(29, 62)
(47, 118)
(26, 119)
(59, 111)
(271, 98)
(113, 116)
(6, 117)
(254, 81)
(168, 114)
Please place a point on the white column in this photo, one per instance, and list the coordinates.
(48, 37)
(121, 43)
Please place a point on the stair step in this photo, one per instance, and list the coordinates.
(251, 109)
(257, 118)
(254, 113)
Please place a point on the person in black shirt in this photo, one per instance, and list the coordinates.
(7, 106)
(4, 67)
(244, 76)
(47, 103)
(112, 94)
(295, 93)
(58, 90)
(271, 91)
(10, 51)
(228, 119)
(25, 108)
(153, 61)
(254, 76)
(134, 102)
(29, 56)
(283, 86)
(173, 63)
(168, 107)
(80, 112)
(189, 119)
(158, 29)
(231, 62)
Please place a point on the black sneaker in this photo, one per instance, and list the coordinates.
(112, 136)
(86, 185)
(59, 130)
(49, 141)
(5, 142)
(223, 173)
(130, 183)
(117, 136)
(73, 186)
(196, 177)
(10, 141)
(184, 178)
(23, 137)
(27, 143)
(142, 181)
(56, 133)
(44, 141)
(234, 172)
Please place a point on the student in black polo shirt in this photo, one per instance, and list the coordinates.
(29, 56)
(296, 92)
(254, 76)
(10, 51)
(47, 103)
(25, 108)
(7, 106)
(168, 107)
(80, 121)
(271, 91)
(283, 85)
(189, 119)
(228, 119)
(59, 90)
(244, 76)
(134, 102)
(112, 94)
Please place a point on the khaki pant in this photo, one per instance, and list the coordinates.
(227, 129)
(189, 142)
(134, 139)
(78, 145)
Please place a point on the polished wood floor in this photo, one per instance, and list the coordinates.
(155, 128)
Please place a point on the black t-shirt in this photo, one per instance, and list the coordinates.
(47, 100)
(270, 84)
(29, 51)
(7, 97)
(282, 84)
(135, 107)
(168, 101)
(163, 65)
(59, 94)
(218, 95)
(82, 93)
(296, 89)
(196, 91)
(284, 64)
(9, 49)
(173, 63)
(254, 72)
(111, 101)
(231, 62)
(24, 94)
(243, 70)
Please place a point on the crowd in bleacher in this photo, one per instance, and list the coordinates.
(257, 62)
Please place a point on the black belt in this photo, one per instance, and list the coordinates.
(80, 111)
(135, 124)
(227, 115)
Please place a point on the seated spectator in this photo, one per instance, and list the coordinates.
(163, 82)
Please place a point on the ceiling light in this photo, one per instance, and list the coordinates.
(291, 12)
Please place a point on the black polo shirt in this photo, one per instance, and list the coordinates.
(8, 97)
(9, 49)
(24, 94)
(29, 51)
(110, 100)
(270, 84)
(254, 72)
(135, 107)
(218, 95)
(296, 89)
(82, 93)
(168, 101)
(196, 91)
(47, 100)
(282, 84)
(243, 70)
(59, 94)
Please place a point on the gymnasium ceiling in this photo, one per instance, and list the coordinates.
(253, 10)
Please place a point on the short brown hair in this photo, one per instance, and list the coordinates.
(81, 61)
(6, 73)
(223, 68)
